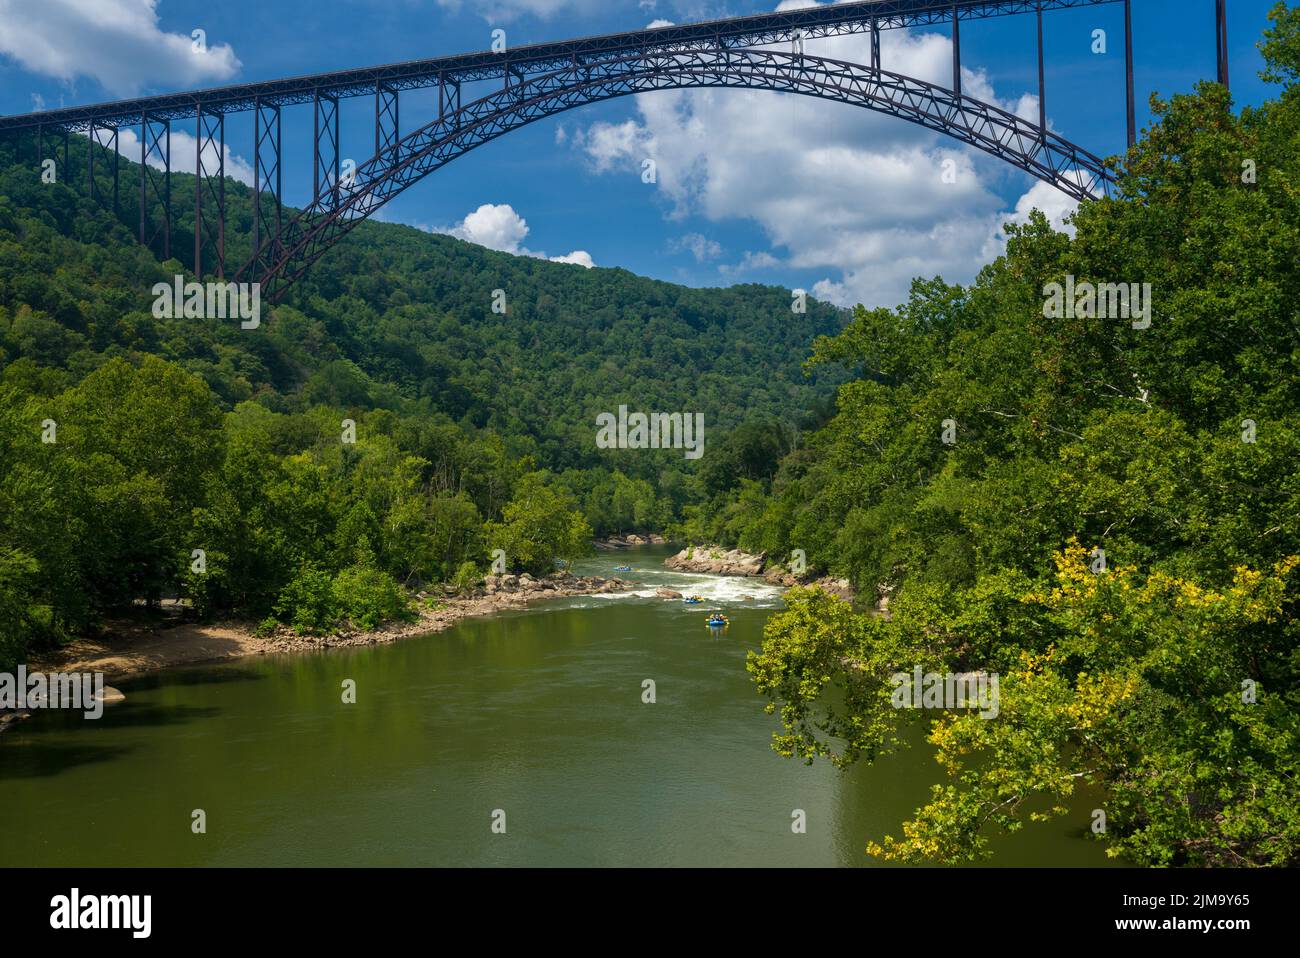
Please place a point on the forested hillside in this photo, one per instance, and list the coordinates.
(1104, 513)
(127, 442)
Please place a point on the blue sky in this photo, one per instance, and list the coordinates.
(752, 187)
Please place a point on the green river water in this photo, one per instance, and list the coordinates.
(535, 713)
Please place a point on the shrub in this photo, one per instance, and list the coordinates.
(467, 577)
(367, 597)
(308, 602)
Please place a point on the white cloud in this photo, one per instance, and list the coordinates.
(656, 24)
(1054, 204)
(852, 192)
(579, 256)
(504, 11)
(497, 226)
(698, 245)
(752, 261)
(118, 43)
(183, 147)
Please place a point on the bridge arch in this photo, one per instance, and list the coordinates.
(339, 207)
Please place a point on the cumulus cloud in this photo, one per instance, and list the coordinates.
(497, 226)
(870, 199)
(1054, 204)
(117, 43)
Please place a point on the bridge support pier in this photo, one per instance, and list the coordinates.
(156, 140)
(449, 95)
(1128, 72)
(325, 148)
(956, 52)
(266, 178)
(61, 169)
(1221, 39)
(387, 131)
(210, 182)
(92, 133)
(1042, 79)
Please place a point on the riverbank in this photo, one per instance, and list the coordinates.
(130, 648)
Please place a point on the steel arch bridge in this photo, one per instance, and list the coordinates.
(539, 81)
(336, 209)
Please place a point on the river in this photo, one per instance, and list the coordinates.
(538, 714)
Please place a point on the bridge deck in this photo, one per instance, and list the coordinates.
(824, 20)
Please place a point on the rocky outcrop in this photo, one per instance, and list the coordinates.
(714, 560)
(630, 541)
(551, 586)
(836, 587)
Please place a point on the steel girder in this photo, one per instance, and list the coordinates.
(1042, 153)
(544, 58)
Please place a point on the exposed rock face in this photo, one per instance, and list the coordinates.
(667, 594)
(716, 561)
